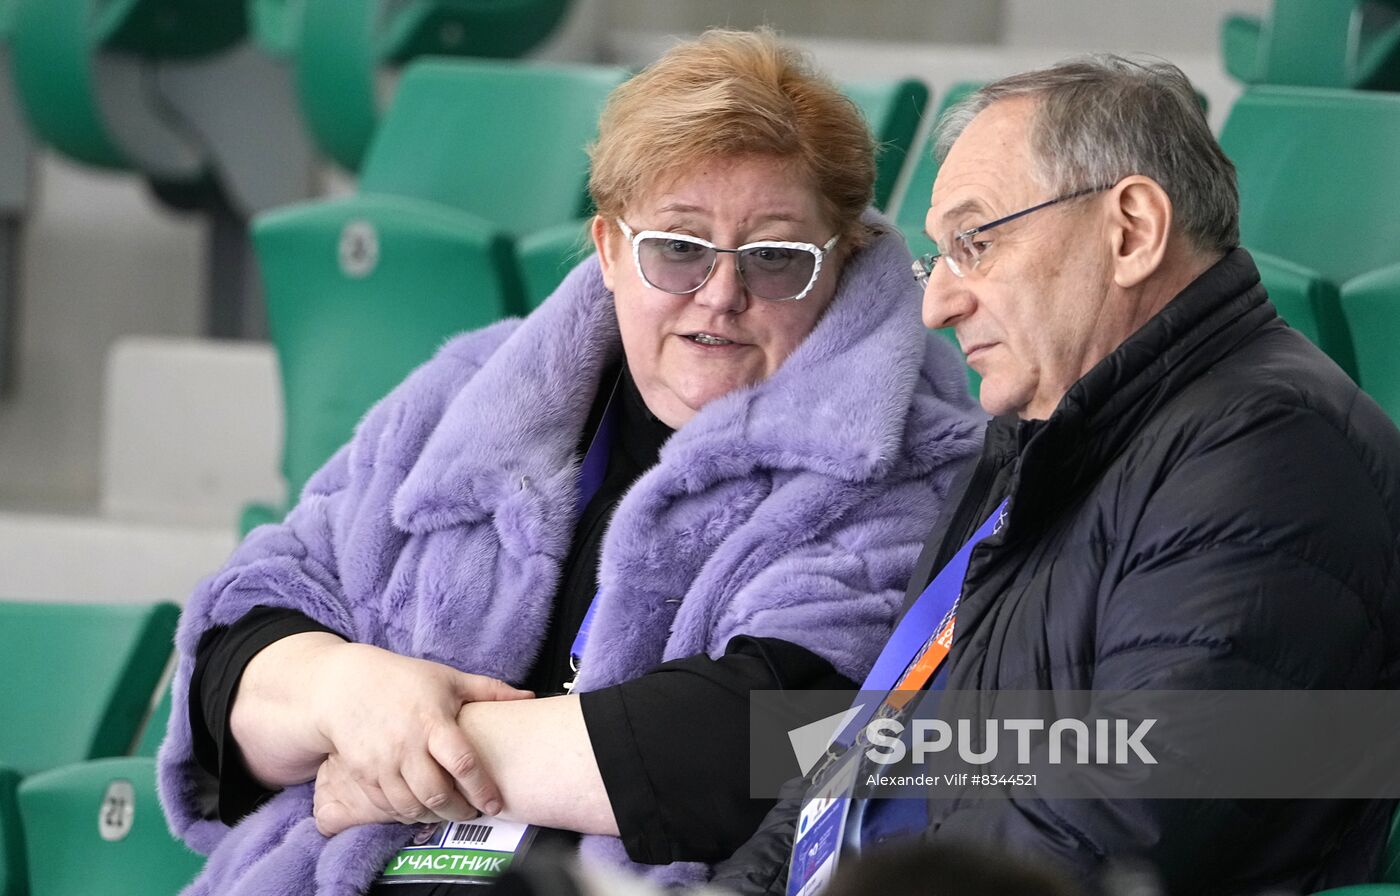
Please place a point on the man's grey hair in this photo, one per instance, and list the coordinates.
(1101, 118)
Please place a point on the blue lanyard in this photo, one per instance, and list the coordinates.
(830, 814)
(592, 472)
(925, 617)
(594, 468)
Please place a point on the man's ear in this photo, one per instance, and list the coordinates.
(1140, 221)
(602, 232)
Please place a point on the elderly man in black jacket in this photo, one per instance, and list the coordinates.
(1197, 498)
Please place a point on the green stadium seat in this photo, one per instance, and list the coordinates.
(13, 872)
(145, 859)
(97, 829)
(913, 203)
(153, 729)
(912, 206)
(1313, 162)
(341, 46)
(86, 75)
(60, 70)
(1317, 43)
(503, 141)
(472, 156)
(1371, 306)
(81, 678)
(1318, 178)
(1311, 305)
(359, 292)
(893, 110)
(545, 256)
(60, 806)
(1390, 859)
(276, 25)
(170, 90)
(1240, 47)
(255, 515)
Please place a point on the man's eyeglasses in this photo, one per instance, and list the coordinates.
(963, 253)
(680, 264)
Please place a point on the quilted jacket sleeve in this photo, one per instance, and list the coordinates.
(760, 866)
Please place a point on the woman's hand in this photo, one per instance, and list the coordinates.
(340, 803)
(390, 723)
(389, 720)
(535, 753)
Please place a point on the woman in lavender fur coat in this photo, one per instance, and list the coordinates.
(782, 433)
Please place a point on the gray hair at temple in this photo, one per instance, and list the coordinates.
(1101, 118)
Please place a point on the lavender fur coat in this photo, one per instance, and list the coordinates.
(791, 509)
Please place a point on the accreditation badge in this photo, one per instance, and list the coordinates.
(816, 846)
(459, 852)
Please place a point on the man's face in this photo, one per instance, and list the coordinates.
(1027, 316)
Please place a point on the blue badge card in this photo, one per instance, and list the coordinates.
(817, 844)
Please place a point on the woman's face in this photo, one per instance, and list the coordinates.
(687, 350)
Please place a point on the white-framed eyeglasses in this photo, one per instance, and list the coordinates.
(680, 264)
(964, 252)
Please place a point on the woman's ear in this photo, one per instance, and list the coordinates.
(602, 232)
(1141, 222)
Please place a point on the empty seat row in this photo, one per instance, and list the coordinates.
(1334, 43)
(224, 106)
(1318, 188)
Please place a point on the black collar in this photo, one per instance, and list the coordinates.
(641, 433)
(1102, 412)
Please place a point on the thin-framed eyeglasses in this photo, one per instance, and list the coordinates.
(964, 252)
(680, 264)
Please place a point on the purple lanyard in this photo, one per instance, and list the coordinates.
(927, 616)
(590, 478)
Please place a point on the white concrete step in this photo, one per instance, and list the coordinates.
(191, 430)
(191, 433)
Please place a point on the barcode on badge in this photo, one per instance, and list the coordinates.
(467, 834)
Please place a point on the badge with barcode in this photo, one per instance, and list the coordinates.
(821, 826)
(462, 852)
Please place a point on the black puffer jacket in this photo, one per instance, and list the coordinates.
(1213, 506)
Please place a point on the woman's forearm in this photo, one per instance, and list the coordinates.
(273, 718)
(539, 755)
(390, 719)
